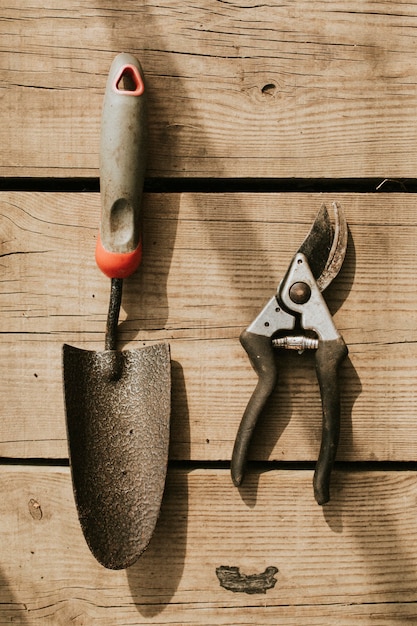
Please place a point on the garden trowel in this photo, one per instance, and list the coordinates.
(118, 402)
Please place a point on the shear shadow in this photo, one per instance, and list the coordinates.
(272, 423)
(350, 381)
(338, 291)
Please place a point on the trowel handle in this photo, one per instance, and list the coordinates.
(122, 168)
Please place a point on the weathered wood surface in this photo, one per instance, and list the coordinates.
(353, 562)
(211, 262)
(236, 88)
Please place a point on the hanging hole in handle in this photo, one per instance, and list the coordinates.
(129, 81)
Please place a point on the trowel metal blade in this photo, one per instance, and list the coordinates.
(118, 412)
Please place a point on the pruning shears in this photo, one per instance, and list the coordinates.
(297, 318)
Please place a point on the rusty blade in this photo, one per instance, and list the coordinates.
(338, 250)
(318, 243)
(325, 245)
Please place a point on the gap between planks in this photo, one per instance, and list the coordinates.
(220, 185)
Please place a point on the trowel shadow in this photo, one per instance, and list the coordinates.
(13, 609)
(154, 578)
(145, 300)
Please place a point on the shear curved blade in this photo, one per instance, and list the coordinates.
(325, 245)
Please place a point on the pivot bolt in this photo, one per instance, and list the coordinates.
(300, 293)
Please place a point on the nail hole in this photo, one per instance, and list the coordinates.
(266, 324)
(35, 509)
(269, 89)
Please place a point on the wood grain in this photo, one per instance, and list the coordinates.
(211, 262)
(309, 89)
(354, 561)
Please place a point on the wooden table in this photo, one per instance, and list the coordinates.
(258, 113)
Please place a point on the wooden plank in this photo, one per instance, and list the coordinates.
(235, 89)
(210, 264)
(355, 561)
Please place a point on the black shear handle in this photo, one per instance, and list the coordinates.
(329, 356)
(261, 354)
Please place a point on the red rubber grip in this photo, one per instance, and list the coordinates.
(117, 264)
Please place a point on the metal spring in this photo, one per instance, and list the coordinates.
(296, 342)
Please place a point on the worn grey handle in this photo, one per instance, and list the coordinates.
(261, 354)
(329, 356)
(122, 166)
